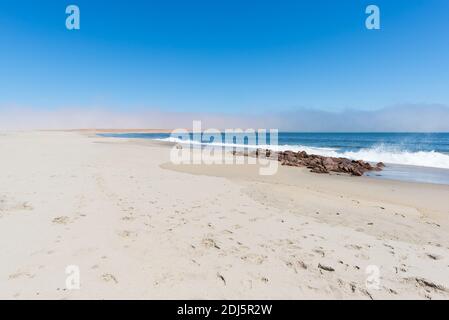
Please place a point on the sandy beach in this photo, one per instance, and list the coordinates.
(140, 227)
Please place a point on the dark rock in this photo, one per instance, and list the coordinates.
(316, 164)
(321, 164)
(302, 154)
(379, 166)
(319, 169)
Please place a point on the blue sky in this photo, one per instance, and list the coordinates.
(223, 56)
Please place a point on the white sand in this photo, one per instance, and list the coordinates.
(139, 227)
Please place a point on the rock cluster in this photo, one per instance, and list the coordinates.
(321, 164)
(317, 164)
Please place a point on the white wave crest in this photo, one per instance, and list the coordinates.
(419, 158)
(374, 154)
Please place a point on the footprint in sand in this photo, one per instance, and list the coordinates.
(61, 220)
(428, 285)
(21, 274)
(433, 224)
(221, 278)
(7, 207)
(254, 258)
(109, 278)
(325, 267)
(127, 234)
(296, 265)
(27, 206)
(353, 246)
(210, 243)
(434, 256)
(23, 206)
(320, 252)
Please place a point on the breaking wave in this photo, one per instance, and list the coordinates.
(380, 153)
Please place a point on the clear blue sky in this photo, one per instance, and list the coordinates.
(223, 55)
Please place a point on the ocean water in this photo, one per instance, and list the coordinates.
(421, 157)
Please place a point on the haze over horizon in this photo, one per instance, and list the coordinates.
(401, 118)
(305, 66)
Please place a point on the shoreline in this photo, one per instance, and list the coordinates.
(140, 227)
(392, 171)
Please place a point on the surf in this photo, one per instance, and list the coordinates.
(379, 153)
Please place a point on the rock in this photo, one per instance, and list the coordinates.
(316, 163)
(357, 172)
(319, 169)
(330, 164)
(379, 166)
(321, 164)
(302, 154)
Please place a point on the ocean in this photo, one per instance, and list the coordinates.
(420, 157)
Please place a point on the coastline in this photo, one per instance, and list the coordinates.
(141, 227)
(427, 163)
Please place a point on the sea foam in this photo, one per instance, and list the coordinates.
(379, 153)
